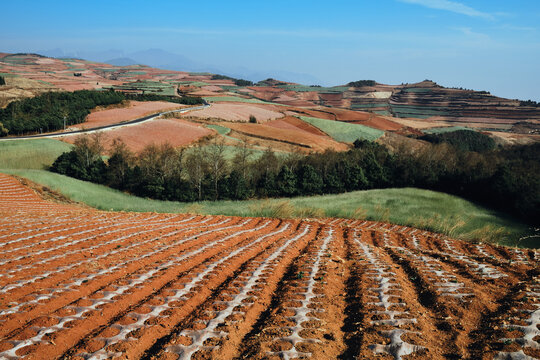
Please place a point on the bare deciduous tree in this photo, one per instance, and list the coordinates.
(196, 166)
(215, 153)
(90, 147)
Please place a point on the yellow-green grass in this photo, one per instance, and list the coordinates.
(222, 130)
(441, 130)
(30, 154)
(344, 132)
(424, 209)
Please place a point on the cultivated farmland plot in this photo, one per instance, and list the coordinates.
(83, 284)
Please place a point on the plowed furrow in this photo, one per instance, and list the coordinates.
(512, 331)
(110, 254)
(83, 316)
(28, 226)
(66, 259)
(354, 311)
(86, 245)
(77, 287)
(40, 247)
(395, 323)
(41, 240)
(134, 338)
(308, 318)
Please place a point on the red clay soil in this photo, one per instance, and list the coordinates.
(296, 136)
(356, 117)
(231, 111)
(79, 283)
(134, 110)
(177, 132)
(294, 123)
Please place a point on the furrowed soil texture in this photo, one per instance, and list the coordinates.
(77, 283)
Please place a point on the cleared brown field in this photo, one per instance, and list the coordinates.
(294, 123)
(176, 132)
(135, 110)
(84, 284)
(237, 112)
(295, 136)
(356, 117)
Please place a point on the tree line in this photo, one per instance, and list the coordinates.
(47, 111)
(505, 178)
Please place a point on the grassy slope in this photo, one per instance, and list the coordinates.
(419, 208)
(344, 132)
(220, 129)
(30, 154)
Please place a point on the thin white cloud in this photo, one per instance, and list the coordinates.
(473, 34)
(517, 28)
(452, 6)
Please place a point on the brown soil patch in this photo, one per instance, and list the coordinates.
(135, 110)
(291, 136)
(236, 112)
(177, 132)
(356, 117)
(294, 123)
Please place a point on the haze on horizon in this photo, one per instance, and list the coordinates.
(483, 45)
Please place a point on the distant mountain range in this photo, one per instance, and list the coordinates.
(162, 59)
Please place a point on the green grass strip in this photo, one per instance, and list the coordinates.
(440, 130)
(424, 209)
(344, 132)
(30, 154)
(222, 130)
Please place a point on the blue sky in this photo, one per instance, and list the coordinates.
(485, 45)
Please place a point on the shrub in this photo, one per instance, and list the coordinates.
(252, 119)
(362, 83)
(242, 82)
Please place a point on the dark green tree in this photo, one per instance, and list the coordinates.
(286, 182)
(310, 180)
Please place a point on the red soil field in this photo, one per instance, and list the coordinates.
(294, 123)
(80, 284)
(295, 136)
(356, 117)
(176, 132)
(135, 110)
(237, 112)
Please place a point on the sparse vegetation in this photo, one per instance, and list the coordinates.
(2, 80)
(242, 82)
(237, 82)
(524, 103)
(362, 83)
(221, 77)
(464, 140)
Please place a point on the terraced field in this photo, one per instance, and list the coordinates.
(83, 284)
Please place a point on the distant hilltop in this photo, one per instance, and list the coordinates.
(29, 74)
